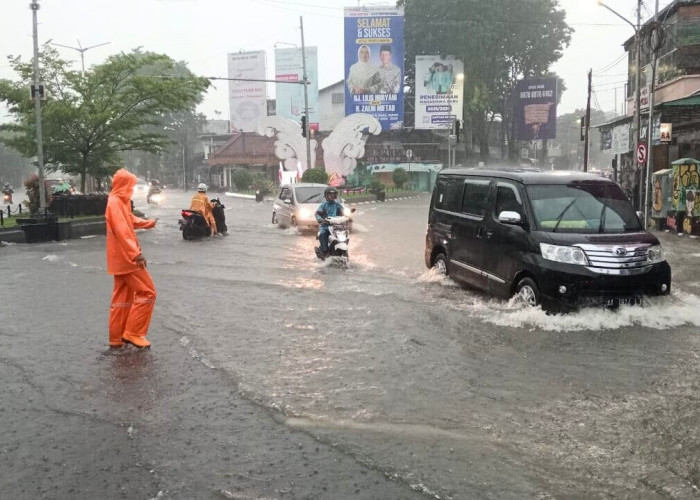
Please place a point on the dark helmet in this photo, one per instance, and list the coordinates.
(330, 191)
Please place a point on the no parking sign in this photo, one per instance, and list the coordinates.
(641, 153)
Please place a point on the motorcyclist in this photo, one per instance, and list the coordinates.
(200, 203)
(7, 191)
(153, 188)
(329, 208)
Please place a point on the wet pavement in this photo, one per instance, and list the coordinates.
(275, 376)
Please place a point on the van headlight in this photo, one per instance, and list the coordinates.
(567, 255)
(655, 254)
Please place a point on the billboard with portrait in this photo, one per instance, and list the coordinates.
(374, 63)
(439, 91)
(247, 99)
(536, 109)
(290, 96)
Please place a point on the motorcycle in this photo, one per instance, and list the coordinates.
(7, 198)
(193, 225)
(155, 197)
(338, 239)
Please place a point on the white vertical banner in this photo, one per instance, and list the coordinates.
(290, 96)
(247, 99)
(439, 91)
(621, 139)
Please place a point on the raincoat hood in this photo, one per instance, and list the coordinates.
(123, 184)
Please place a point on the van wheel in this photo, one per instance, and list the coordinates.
(274, 218)
(440, 264)
(528, 292)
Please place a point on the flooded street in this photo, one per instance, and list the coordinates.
(453, 393)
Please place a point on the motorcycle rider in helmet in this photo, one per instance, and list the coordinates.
(329, 208)
(200, 203)
(7, 192)
(153, 188)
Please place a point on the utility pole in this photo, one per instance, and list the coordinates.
(587, 124)
(638, 80)
(306, 96)
(36, 95)
(656, 40)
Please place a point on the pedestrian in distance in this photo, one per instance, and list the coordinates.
(134, 294)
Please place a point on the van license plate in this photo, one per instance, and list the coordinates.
(635, 300)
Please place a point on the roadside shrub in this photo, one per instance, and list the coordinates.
(263, 184)
(375, 186)
(315, 175)
(32, 187)
(242, 179)
(400, 177)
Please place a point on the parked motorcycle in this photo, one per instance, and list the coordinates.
(193, 225)
(338, 239)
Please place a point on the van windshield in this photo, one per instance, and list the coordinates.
(582, 207)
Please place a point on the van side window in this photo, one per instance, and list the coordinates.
(507, 198)
(476, 194)
(448, 192)
(286, 194)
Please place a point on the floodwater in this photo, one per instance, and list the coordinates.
(455, 393)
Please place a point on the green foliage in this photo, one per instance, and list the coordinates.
(376, 186)
(500, 41)
(400, 177)
(263, 184)
(242, 179)
(88, 121)
(32, 186)
(315, 175)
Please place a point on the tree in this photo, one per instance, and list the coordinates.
(242, 179)
(399, 176)
(315, 175)
(500, 41)
(88, 121)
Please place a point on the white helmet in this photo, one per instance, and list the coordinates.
(202, 187)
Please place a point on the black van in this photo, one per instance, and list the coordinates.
(562, 239)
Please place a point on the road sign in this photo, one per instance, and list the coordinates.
(641, 153)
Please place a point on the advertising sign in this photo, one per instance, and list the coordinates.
(374, 68)
(666, 132)
(439, 91)
(289, 96)
(621, 139)
(536, 109)
(248, 100)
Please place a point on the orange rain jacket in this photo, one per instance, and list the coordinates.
(200, 203)
(122, 245)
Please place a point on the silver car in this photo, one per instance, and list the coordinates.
(296, 205)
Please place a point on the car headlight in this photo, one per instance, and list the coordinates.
(304, 213)
(655, 254)
(567, 255)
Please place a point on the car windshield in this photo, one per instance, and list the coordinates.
(310, 194)
(582, 207)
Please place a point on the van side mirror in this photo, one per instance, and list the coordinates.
(508, 217)
(287, 201)
(640, 215)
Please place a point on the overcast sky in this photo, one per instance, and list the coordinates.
(202, 32)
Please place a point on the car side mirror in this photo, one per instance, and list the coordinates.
(640, 215)
(508, 217)
(287, 201)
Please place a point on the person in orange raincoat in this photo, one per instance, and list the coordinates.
(134, 294)
(200, 203)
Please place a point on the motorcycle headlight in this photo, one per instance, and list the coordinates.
(567, 255)
(655, 254)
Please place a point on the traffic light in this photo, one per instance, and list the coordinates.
(583, 127)
(303, 125)
(458, 126)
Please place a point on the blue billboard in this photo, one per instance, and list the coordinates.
(536, 109)
(374, 63)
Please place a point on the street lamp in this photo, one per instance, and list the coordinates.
(82, 51)
(638, 63)
(36, 95)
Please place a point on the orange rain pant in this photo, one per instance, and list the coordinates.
(133, 299)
